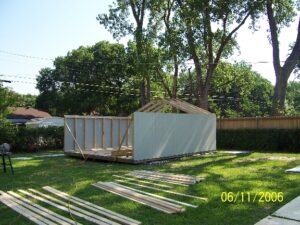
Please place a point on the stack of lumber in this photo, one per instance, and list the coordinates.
(32, 211)
(41, 215)
(155, 203)
(90, 206)
(166, 177)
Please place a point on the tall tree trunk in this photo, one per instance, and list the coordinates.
(282, 73)
(175, 77)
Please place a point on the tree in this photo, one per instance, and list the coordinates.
(236, 91)
(89, 80)
(201, 31)
(293, 98)
(117, 22)
(280, 13)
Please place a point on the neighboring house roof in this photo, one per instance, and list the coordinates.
(46, 122)
(27, 113)
(160, 105)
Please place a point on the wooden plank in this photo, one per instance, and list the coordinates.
(171, 175)
(62, 218)
(69, 208)
(168, 176)
(142, 181)
(127, 153)
(102, 133)
(111, 133)
(84, 132)
(163, 178)
(160, 197)
(115, 216)
(94, 134)
(161, 205)
(36, 208)
(162, 190)
(119, 131)
(156, 179)
(34, 217)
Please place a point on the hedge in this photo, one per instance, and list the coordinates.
(30, 139)
(283, 140)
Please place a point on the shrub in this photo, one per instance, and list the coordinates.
(39, 138)
(259, 139)
(8, 131)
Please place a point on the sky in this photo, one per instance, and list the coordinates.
(50, 28)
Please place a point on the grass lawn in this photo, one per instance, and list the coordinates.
(256, 172)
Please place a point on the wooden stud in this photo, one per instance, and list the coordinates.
(57, 217)
(84, 133)
(116, 216)
(111, 133)
(69, 208)
(160, 197)
(95, 137)
(33, 207)
(158, 204)
(142, 181)
(23, 211)
(167, 191)
(102, 134)
(119, 131)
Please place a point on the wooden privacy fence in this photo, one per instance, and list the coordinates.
(259, 123)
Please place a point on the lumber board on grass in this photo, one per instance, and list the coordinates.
(156, 179)
(58, 218)
(71, 209)
(188, 180)
(167, 191)
(142, 181)
(37, 219)
(113, 215)
(158, 204)
(175, 176)
(160, 197)
(184, 178)
(44, 214)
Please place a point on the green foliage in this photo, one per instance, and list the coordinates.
(236, 91)
(97, 79)
(293, 98)
(9, 98)
(42, 138)
(8, 131)
(259, 139)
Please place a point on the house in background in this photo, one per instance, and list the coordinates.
(21, 115)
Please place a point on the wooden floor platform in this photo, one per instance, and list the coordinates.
(104, 154)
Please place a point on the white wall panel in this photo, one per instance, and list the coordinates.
(168, 134)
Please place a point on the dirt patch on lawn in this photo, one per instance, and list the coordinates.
(277, 158)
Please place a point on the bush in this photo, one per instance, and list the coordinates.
(8, 131)
(42, 138)
(259, 139)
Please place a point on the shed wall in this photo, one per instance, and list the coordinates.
(95, 132)
(159, 135)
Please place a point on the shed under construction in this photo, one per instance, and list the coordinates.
(148, 134)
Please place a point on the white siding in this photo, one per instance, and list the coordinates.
(167, 134)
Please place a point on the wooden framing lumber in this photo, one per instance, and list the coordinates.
(69, 208)
(155, 203)
(142, 181)
(188, 180)
(160, 197)
(39, 209)
(155, 179)
(172, 175)
(34, 217)
(105, 212)
(127, 152)
(159, 189)
(58, 218)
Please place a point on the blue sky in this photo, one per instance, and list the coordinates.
(51, 28)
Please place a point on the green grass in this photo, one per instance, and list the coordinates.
(224, 173)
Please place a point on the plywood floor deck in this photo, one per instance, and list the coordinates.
(104, 154)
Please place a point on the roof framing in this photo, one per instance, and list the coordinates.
(159, 105)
